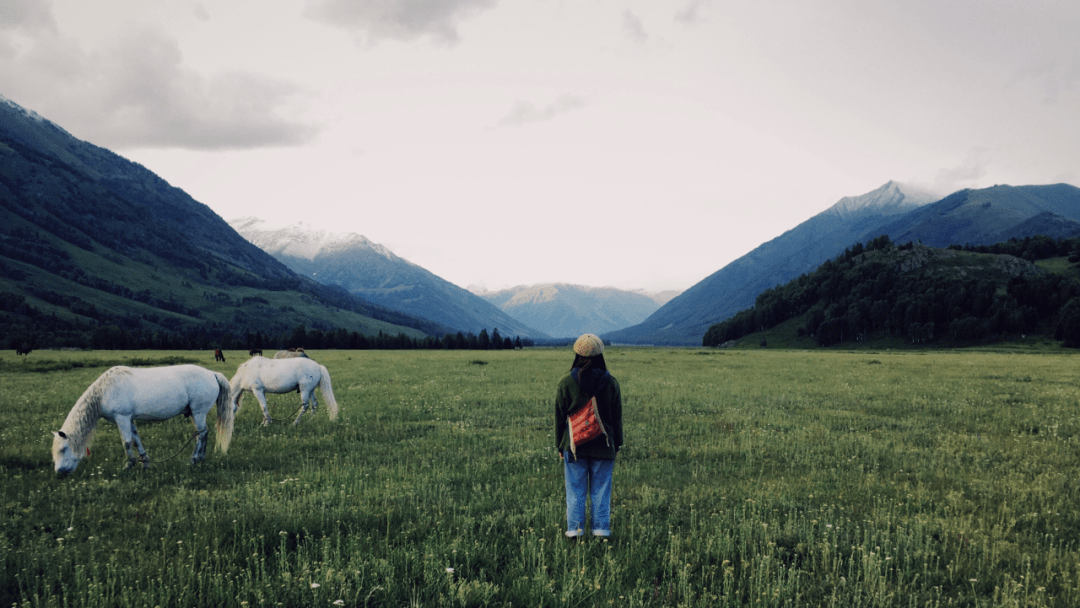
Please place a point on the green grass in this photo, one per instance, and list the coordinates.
(757, 477)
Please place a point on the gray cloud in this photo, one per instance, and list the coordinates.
(136, 92)
(1054, 79)
(525, 112)
(634, 29)
(200, 12)
(965, 175)
(407, 20)
(691, 13)
(31, 15)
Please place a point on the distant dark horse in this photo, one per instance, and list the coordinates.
(218, 356)
(255, 351)
(23, 351)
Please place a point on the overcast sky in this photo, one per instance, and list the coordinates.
(638, 144)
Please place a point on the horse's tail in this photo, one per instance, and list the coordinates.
(226, 415)
(236, 387)
(328, 392)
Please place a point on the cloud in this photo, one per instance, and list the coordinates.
(634, 29)
(200, 12)
(965, 175)
(525, 112)
(406, 20)
(136, 92)
(691, 13)
(29, 15)
(1053, 79)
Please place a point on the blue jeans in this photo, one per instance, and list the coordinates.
(588, 477)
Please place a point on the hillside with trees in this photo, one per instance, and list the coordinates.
(97, 251)
(980, 217)
(924, 295)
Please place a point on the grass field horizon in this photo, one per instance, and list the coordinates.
(749, 478)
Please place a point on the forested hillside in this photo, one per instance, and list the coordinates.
(924, 295)
(97, 251)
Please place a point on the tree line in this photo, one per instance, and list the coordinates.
(864, 292)
(340, 339)
(24, 326)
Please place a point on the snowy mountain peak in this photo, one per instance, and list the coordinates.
(28, 113)
(890, 199)
(303, 240)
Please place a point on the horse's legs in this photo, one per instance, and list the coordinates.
(125, 426)
(139, 446)
(261, 396)
(130, 436)
(201, 431)
(308, 397)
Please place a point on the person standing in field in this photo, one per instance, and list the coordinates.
(588, 466)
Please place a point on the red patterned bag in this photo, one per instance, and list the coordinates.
(585, 425)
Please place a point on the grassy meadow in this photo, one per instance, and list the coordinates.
(749, 478)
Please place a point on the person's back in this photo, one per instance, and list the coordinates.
(588, 466)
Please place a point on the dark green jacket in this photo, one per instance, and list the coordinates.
(568, 398)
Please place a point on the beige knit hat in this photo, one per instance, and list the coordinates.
(589, 345)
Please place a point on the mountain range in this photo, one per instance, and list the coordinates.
(563, 311)
(905, 214)
(94, 246)
(374, 273)
(97, 249)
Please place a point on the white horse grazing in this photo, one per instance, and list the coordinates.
(261, 375)
(124, 395)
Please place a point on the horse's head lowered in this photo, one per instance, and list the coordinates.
(64, 457)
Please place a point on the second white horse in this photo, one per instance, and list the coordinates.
(260, 375)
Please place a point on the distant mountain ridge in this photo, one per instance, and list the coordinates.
(684, 320)
(373, 272)
(563, 310)
(977, 217)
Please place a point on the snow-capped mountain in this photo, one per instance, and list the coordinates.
(563, 310)
(891, 199)
(734, 287)
(375, 273)
(301, 240)
(904, 214)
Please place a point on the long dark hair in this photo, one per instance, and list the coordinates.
(584, 363)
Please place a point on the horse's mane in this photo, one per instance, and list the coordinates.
(83, 418)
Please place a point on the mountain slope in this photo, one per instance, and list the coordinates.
(92, 242)
(684, 320)
(375, 273)
(990, 215)
(915, 294)
(563, 310)
(977, 217)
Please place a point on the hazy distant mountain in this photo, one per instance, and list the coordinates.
(96, 250)
(684, 320)
(977, 217)
(660, 297)
(375, 273)
(561, 310)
